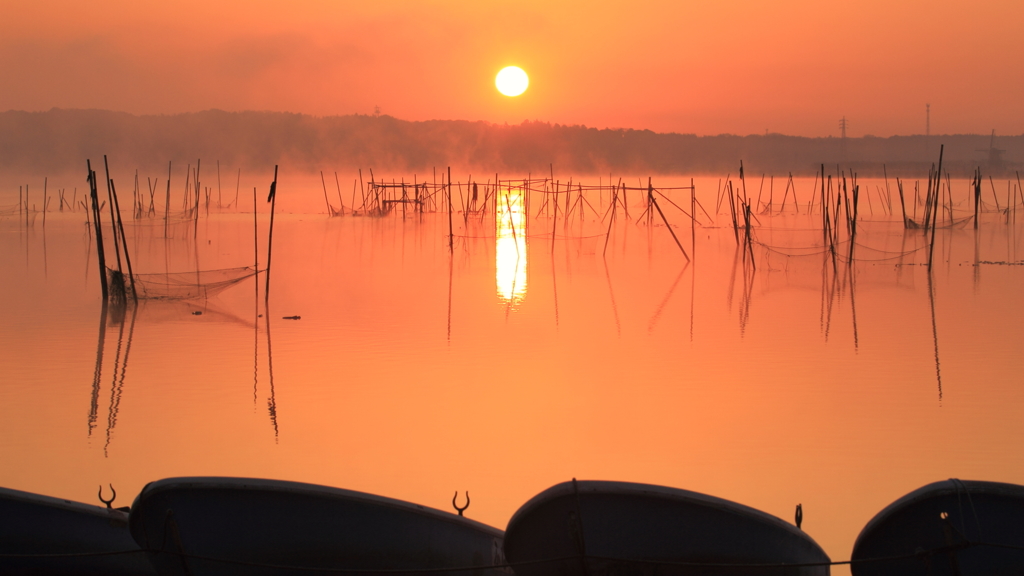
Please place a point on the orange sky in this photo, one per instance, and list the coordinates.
(789, 66)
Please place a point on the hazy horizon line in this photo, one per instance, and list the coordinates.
(499, 124)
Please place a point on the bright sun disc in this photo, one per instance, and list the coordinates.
(512, 81)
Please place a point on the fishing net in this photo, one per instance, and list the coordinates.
(179, 285)
(159, 220)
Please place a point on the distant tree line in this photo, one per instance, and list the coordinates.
(60, 140)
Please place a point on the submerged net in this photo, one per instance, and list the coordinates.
(179, 285)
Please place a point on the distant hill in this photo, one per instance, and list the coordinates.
(60, 141)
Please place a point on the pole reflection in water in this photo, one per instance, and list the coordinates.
(115, 315)
(94, 404)
(510, 246)
(117, 385)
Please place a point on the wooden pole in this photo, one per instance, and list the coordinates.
(554, 222)
(255, 244)
(669, 226)
(272, 198)
(167, 203)
(101, 255)
(759, 190)
(732, 211)
(337, 184)
(330, 211)
(195, 229)
(853, 219)
(1017, 172)
(928, 199)
(931, 247)
(113, 219)
(976, 183)
(451, 232)
(903, 206)
(796, 202)
(124, 242)
(750, 246)
(362, 191)
(611, 220)
(218, 184)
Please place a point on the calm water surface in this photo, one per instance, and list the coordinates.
(517, 362)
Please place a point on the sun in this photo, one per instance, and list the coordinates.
(512, 81)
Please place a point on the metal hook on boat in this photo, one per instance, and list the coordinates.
(799, 515)
(113, 495)
(454, 498)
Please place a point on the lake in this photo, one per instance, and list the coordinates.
(533, 351)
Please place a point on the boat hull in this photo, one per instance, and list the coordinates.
(982, 532)
(228, 526)
(40, 535)
(599, 528)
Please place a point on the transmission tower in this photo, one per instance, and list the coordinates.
(927, 120)
(843, 125)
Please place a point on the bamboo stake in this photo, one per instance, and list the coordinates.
(611, 220)
(931, 247)
(990, 183)
(113, 219)
(654, 201)
(732, 211)
(167, 204)
(362, 190)
(796, 202)
(903, 207)
(1020, 189)
(759, 190)
(255, 245)
(100, 254)
(749, 242)
(330, 211)
(272, 198)
(451, 233)
(124, 241)
(195, 230)
(337, 184)
(976, 183)
(693, 218)
(554, 222)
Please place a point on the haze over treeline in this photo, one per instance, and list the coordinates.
(59, 141)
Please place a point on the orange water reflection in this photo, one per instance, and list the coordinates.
(786, 384)
(510, 245)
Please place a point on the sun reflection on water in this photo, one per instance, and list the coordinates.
(510, 246)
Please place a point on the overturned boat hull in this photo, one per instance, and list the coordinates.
(40, 535)
(949, 528)
(591, 528)
(228, 526)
